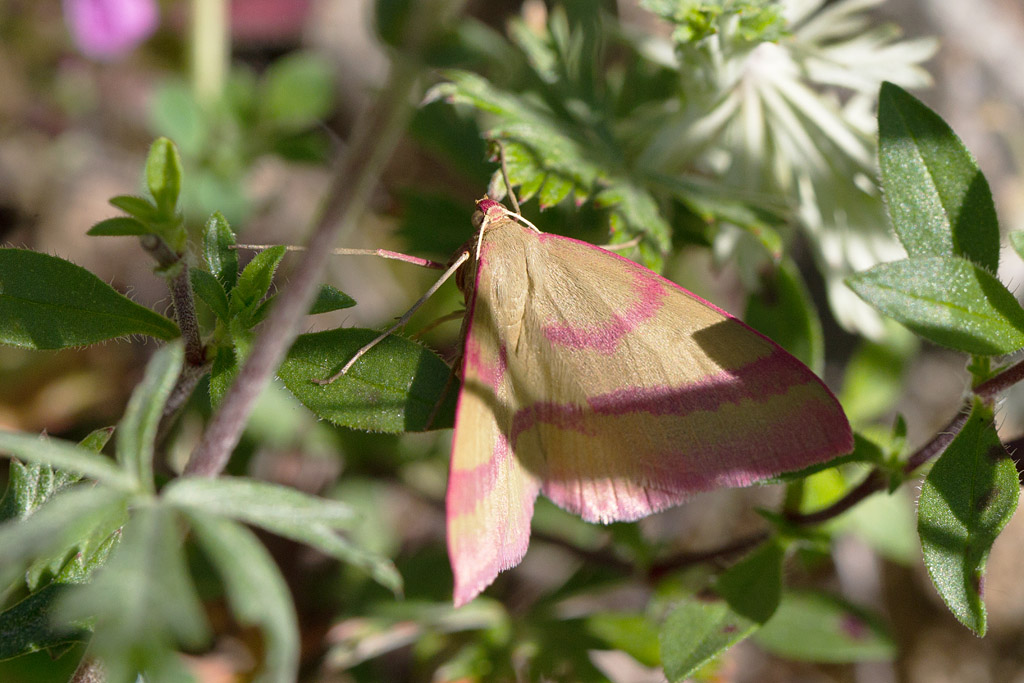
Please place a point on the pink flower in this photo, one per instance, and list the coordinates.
(107, 29)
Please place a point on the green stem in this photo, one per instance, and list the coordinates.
(210, 48)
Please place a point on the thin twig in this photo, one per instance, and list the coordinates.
(376, 136)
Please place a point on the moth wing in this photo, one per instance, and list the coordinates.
(490, 493)
(633, 393)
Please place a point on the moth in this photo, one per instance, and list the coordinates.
(609, 389)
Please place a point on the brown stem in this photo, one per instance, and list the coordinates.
(89, 671)
(994, 386)
(181, 297)
(375, 138)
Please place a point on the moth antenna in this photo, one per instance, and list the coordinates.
(382, 253)
(622, 246)
(504, 175)
(401, 321)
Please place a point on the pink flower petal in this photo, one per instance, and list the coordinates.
(106, 29)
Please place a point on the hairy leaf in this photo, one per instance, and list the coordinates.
(967, 498)
(393, 388)
(939, 200)
(49, 303)
(947, 300)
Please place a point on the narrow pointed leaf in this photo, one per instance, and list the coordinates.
(822, 628)
(218, 238)
(947, 300)
(49, 303)
(254, 282)
(330, 299)
(137, 429)
(967, 498)
(143, 600)
(29, 625)
(119, 227)
(286, 512)
(163, 174)
(64, 455)
(32, 484)
(939, 200)
(700, 629)
(57, 527)
(139, 207)
(393, 388)
(256, 591)
(209, 289)
(257, 502)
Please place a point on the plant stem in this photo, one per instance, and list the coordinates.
(994, 386)
(181, 297)
(374, 139)
(210, 49)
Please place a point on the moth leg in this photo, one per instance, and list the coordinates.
(401, 321)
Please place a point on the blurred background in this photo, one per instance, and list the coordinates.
(78, 110)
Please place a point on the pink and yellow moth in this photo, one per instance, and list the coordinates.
(609, 389)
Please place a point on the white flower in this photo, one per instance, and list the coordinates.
(794, 120)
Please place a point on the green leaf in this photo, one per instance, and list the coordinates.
(1017, 242)
(254, 282)
(26, 626)
(695, 632)
(138, 207)
(752, 587)
(298, 91)
(634, 213)
(286, 512)
(331, 299)
(631, 633)
(49, 303)
(939, 200)
(393, 388)
(256, 591)
(967, 498)
(30, 625)
(67, 456)
(209, 289)
(218, 238)
(119, 227)
(537, 143)
(699, 629)
(143, 601)
(257, 502)
(57, 527)
(136, 432)
(222, 374)
(783, 311)
(31, 485)
(163, 175)
(947, 300)
(821, 628)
